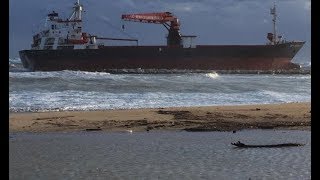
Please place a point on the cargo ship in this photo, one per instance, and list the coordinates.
(62, 45)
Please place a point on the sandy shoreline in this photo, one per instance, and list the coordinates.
(208, 118)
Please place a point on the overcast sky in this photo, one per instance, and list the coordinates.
(213, 21)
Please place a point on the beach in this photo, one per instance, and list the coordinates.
(206, 118)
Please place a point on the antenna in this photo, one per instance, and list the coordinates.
(76, 15)
(273, 12)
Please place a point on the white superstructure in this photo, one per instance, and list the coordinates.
(64, 34)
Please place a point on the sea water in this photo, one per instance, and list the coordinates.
(80, 90)
(159, 155)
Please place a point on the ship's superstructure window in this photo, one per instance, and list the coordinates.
(65, 47)
(49, 41)
(47, 47)
(61, 41)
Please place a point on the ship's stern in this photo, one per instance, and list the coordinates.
(26, 61)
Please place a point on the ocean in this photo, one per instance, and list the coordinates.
(79, 90)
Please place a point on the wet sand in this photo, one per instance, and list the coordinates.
(207, 118)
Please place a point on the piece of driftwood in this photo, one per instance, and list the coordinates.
(93, 129)
(242, 145)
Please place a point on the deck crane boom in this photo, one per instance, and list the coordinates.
(167, 19)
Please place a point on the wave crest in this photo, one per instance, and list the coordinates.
(212, 75)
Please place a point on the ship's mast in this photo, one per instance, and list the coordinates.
(273, 12)
(77, 9)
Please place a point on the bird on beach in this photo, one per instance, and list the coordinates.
(130, 131)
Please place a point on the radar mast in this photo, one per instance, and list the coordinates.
(77, 11)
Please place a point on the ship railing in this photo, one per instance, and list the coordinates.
(118, 39)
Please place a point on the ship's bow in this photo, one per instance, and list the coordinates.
(294, 48)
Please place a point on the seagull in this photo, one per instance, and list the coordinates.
(130, 130)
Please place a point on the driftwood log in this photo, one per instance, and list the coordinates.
(93, 129)
(242, 145)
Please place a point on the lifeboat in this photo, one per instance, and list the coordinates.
(83, 40)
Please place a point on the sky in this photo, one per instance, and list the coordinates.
(212, 21)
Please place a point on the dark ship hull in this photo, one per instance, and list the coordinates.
(202, 57)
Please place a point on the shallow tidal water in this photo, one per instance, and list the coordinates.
(159, 155)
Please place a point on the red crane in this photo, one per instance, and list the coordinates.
(167, 19)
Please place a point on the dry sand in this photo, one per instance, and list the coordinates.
(208, 118)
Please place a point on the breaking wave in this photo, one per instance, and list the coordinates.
(212, 75)
(15, 65)
(79, 90)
